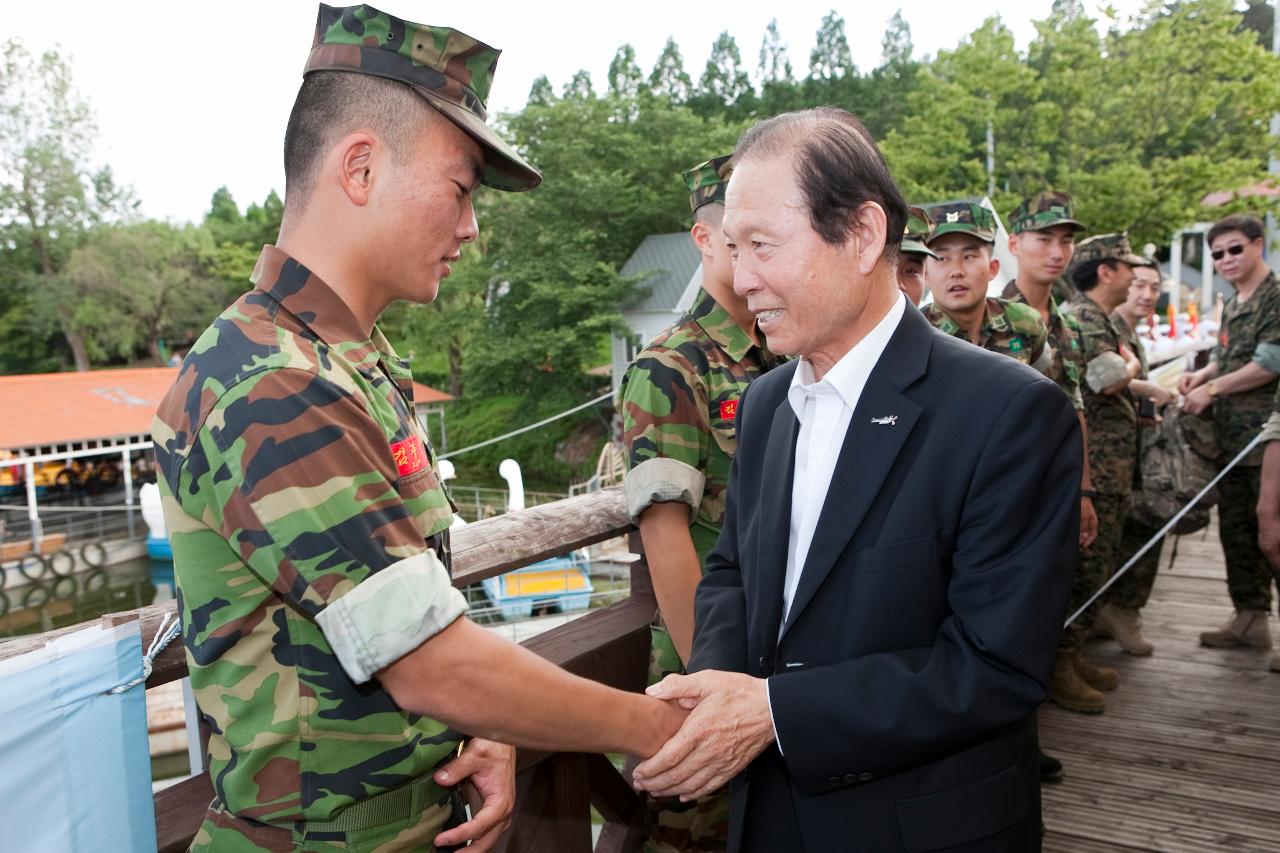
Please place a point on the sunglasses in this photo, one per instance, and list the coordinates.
(1234, 250)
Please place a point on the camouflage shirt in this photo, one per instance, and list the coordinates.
(1129, 336)
(1272, 427)
(310, 544)
(1067, 364)
(1009, 328)
(1250, 332)
(1112, 419)
(679, 399)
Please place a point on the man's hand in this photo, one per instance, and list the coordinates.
(728, 727)
(490, 769)
(1269, 537)
(1197, 400)
(1188, 381)
(1088, 522)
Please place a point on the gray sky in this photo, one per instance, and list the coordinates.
(190, 96)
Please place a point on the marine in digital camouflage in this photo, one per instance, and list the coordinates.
(1066, 366)
(310, 541)
(448, 68)
(1250, 332)
(707, 181)
(1113, 462)
(1009, 328)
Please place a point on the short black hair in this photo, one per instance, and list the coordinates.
(1085, 275)
(712, 213)
(1246, 223)
(333, 103)
(839, 169)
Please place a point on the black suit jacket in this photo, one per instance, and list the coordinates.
(923, 631)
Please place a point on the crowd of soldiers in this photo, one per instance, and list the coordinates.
(1072, 312)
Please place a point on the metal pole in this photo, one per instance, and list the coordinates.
(33, 513)
(128, 488)
(1175, 273)
(991, 159)
(1206, 277)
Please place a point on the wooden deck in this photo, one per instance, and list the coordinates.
(1187, 755)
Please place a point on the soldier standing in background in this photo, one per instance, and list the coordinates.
(1042, 237)
(958, 275)
(1120, 617)
(679, 402)
(1103, 272)
(913, 254)
(1240, 383)
(328, 648)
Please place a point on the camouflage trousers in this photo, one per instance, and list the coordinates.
(1134, 587)
(1249, 575)
(224, 832)
(700, 826)
(1096, 564)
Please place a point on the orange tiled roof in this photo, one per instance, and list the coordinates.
(60, 408)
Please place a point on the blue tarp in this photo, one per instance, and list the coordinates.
(75, 771)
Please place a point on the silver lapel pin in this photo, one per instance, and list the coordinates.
(890, 420)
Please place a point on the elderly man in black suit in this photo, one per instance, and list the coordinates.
(880, 615)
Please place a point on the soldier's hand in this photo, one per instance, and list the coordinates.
(1187, 381)
(1197, 401)
(489, 768)
(1088, 522)
(1269, 537)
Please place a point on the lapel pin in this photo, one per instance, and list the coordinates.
(890, 420)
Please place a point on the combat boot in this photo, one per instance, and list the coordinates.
(1068, 689)
(1096, 675)
(1246, 628)
(1125, 625)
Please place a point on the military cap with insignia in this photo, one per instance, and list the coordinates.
(1108, 247)
(1045, 209)
(919, 224)
(707, 181)
(452, 71)
(962, 217)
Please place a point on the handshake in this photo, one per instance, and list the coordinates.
(728, 725)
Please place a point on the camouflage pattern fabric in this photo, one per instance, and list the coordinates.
(916, 232)
(1096, 565)
(1246, 327)
(1043, 210)
(963, 217)
(1133, 589)
(679, 401)
(1112, 419)
(707, 181)
(1107, 247)
(1067, 364)
(1009, 328)
(310, 541)
(451, 70)
(1249, 574)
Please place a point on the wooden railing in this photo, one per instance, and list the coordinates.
(554, 790)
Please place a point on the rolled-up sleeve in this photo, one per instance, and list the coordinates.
(663, 480)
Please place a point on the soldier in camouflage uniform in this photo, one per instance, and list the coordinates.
(1103, 272)
(1238, 383)
(1120, 617)
(1042, 232)
(327, 647)
(913, 253)
(679, 401)
(958, 275)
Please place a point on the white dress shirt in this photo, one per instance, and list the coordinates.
(824, 409)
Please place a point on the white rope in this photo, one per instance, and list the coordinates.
(164, 635)
(1164, 530)
(528, 428)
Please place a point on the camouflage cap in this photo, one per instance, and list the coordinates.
(963, 217)
(1108, 247)
(919, 224)
(1044, 210)
(449, 69)
(707, 181)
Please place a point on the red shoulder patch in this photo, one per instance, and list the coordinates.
(410, 455)
(728, 410)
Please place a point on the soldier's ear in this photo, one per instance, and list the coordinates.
(995, 269)
(702, 237)
(355, 154)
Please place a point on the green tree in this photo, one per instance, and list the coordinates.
(50, 193)
(896, 47)
(725, 81)
(579, 86)
(540, 93)
(775, 66)
(668, 78)
(626, 80)
(830, 58)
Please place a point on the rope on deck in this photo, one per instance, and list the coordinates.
(164, 635)
(1257, 439)
(528, 428)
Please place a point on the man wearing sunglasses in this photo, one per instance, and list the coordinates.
(1239, 384)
